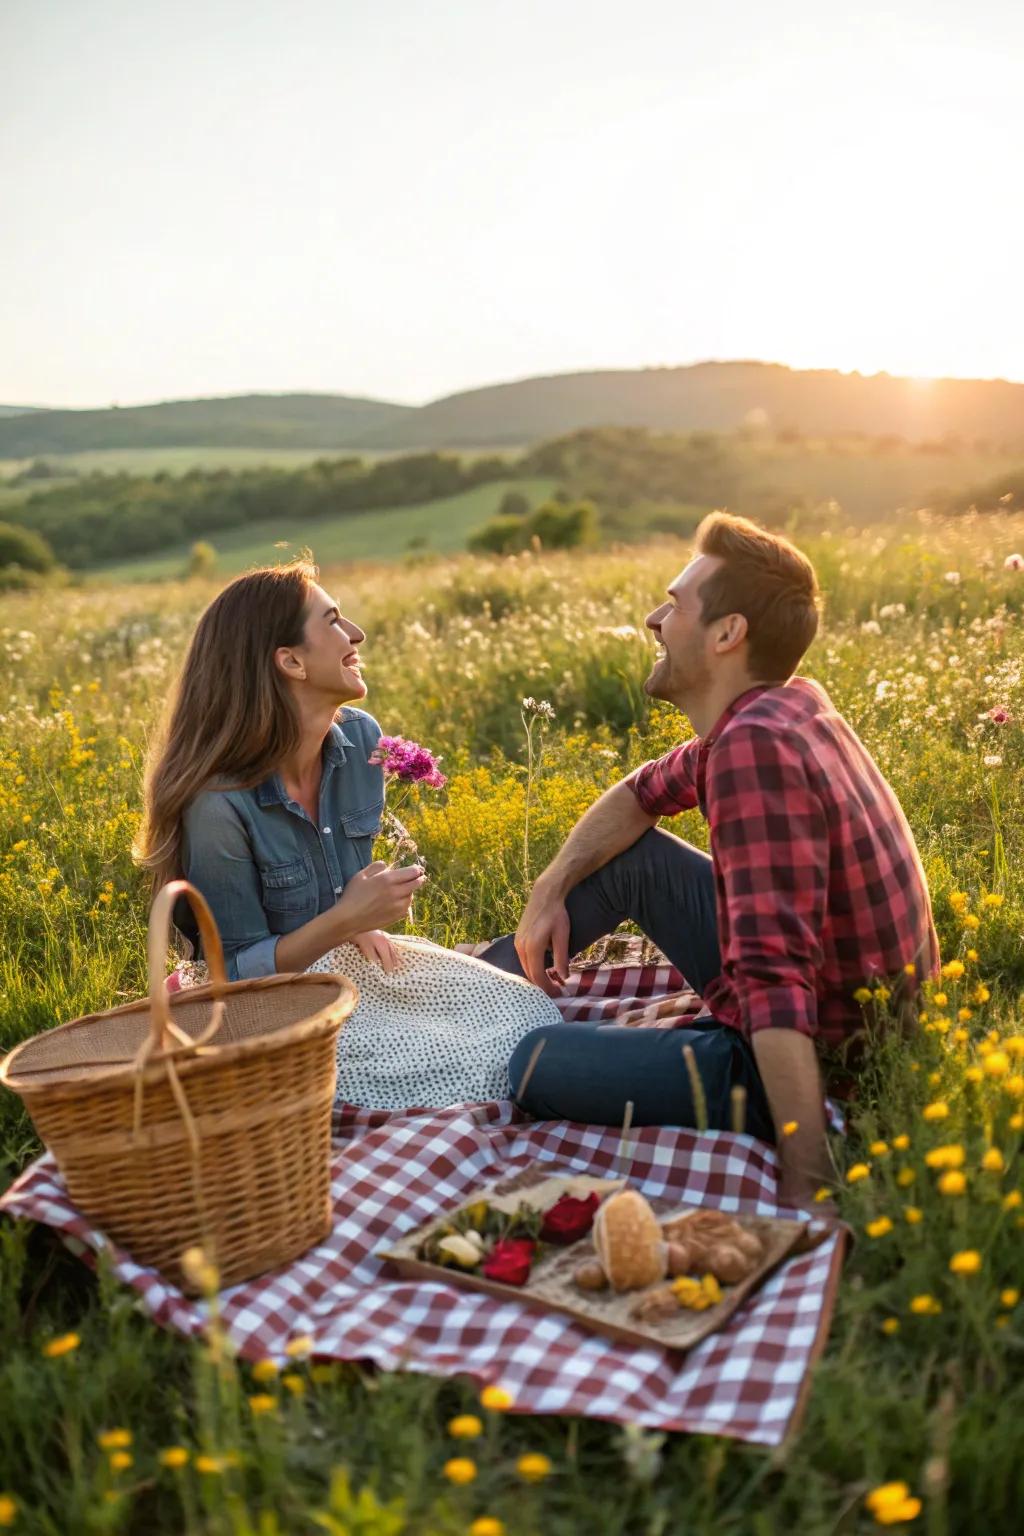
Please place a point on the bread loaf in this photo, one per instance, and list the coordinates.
(629, 1242)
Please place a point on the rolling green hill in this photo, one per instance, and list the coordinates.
(718, 397)
(245, 421)
(384, 534)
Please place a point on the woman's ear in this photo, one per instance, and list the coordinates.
(287, 662)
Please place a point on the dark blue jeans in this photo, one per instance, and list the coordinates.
(587, 1072)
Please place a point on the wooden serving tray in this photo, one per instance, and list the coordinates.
(550, 1286)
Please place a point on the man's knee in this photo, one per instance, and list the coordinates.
(519, 1065)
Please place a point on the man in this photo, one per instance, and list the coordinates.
(813, 888)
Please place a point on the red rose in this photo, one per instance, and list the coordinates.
(509, 1261)
(569, 1219)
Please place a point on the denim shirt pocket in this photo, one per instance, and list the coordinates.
(289, 893)
(360, 829)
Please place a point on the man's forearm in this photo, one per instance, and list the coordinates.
(788, 1064)
(611, 825)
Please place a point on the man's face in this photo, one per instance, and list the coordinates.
(330, 650)
(683, 670)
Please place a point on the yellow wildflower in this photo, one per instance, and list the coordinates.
(997, 1064)
(972, 955)
(299, 1348)
(940, 999)
(892, 1504)
(901, 1143)
(8, 1510)
(175, 1457)
(1009, 1297)
(964, 1014)
(993, 1161)
(934, 1079)
(972, 921)
(534, 1467)
(857, 1172)
(114, 1439)
(497, 1399)
(953, 970)
(1014, 1044)
(862, 995)
(882, 994)
(790, 1128)
(466, 1426)
(822, 1193)
(949, 1156)
(879, 1149)
(925, 1305)
(973, 1075)
(912, 1214)
(487, 1525)
(958, 900)
(120, 1461)
(459, 1470)
(961, 1036)
(906, 1177)
(952, 1183)
(294, 1384)
(910, 969)
(209, 1466)
(890, 1325)
(264, 1371)
(1012, 1200)
(262, 1402)
(879, 1227)
(966, 1262)
(1014, 1086)
(938, 1110)
(199, 1272)
(992, 900)
(64, 1344)
(980, 994)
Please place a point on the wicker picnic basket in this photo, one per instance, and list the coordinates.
(201, 1118)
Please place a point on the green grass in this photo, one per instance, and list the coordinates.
(382, 534)
(452, 647)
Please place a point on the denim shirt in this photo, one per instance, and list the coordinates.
(264, 867)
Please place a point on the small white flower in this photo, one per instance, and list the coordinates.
(883, 690)
(953, 577)
(891, 611)
(871, 627)
(1014, 562)
(993, 760)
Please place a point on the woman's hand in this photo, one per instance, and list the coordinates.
(376, 947)
(375, 898)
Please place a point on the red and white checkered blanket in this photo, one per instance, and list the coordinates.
(392, 1172)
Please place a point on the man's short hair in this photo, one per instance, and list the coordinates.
(767, 579)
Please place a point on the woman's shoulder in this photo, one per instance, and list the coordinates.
(357, 724)
(212, 807)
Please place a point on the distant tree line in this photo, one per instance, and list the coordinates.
(101, 517)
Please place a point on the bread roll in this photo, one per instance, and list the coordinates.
(589, 1276)
(629, 1242)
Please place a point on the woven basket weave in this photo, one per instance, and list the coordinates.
(199, 1119)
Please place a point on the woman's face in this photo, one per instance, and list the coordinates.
(328, 658)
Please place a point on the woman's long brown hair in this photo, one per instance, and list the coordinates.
(230, 718)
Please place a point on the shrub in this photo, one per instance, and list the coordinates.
(26, 550)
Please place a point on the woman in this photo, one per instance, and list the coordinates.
(263, 794)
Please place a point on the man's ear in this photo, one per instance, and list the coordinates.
(287, 662)
(730, 631)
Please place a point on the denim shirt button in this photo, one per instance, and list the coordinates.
(327, 831)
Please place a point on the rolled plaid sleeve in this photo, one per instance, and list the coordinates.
(771, 843)
(668, 785)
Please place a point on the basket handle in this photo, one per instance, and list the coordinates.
(156, 949)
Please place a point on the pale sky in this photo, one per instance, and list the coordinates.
(404, 198)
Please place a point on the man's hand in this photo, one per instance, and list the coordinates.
(544, 926)
(788, 1064)
(673, 1012)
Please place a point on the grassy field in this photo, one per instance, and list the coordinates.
(382, 534)
(922, 1378)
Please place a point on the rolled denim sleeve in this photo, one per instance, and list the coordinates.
(217, 857)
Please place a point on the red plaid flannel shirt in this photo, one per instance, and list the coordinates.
(819, 886)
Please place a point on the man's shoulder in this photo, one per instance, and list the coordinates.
(782, 711)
